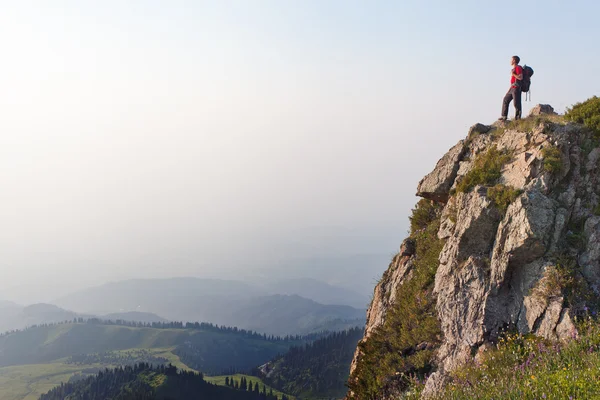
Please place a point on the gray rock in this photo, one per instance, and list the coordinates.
(523, 234)
(448, 219)
(589, 260)
(544, 309)
(592, 160)
(541, 109)
(462, 279)
(434, 385)
(436, 185)
(407, 248)
(479, 128)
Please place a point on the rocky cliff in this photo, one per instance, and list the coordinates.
(505, 238)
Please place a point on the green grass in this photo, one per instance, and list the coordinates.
(220, 380)
(31, 381)
(529, 123)
(502, 196)
(486, 170)
(56, 333)
(528, 367)
(552, 159)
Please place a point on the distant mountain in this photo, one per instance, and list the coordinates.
(13, 316)
(133, 316)
(5, 304)
(8, 312)
(46, 313)
(184, 299)
(221, 302)
(319, 291)
(281, 315)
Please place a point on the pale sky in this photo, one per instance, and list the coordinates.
(143, 139)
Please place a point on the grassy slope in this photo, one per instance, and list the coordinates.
(527, 367)
(30, 381)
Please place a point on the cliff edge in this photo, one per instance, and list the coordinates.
(506, 238)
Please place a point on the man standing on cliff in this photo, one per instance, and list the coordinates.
(514, 93)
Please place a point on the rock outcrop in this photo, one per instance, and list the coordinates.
(509, 239)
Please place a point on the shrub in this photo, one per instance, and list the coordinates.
(502, 195)
(586, 113)
(552, 159)
(486, 170)
(422, 215)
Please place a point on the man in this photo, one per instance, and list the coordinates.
(514, 93)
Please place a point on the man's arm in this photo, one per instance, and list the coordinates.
(518, 76)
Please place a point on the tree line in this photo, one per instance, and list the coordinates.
(146, 382)
(205, 326)
(244, 384)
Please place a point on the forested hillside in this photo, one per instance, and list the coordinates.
(207, 348)
(145, 382)
(316, 370)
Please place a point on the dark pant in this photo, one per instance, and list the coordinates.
(512, 94)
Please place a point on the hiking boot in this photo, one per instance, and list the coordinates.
(502, 119)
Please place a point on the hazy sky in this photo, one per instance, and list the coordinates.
(223, 138)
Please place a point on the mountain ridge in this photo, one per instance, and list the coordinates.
(204, 300)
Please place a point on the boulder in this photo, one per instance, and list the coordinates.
(436, 185)
(542, 109)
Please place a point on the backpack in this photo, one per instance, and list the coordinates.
(526, 81)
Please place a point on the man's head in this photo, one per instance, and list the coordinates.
(515, 60)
